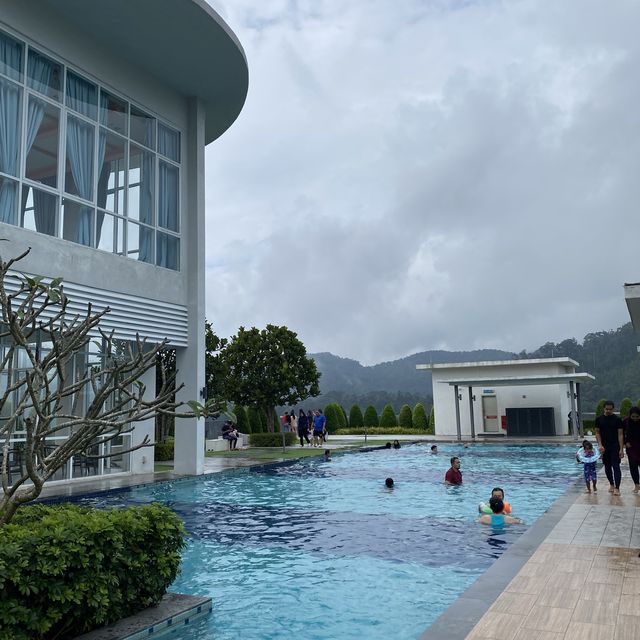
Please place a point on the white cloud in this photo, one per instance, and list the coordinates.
(427, 174)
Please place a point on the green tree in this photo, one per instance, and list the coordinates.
(625, 405)
(420, 420)
(331, 415)
(344, 415)
(388, 417)
(264, 368)
(600, 408)
(432, 420)
(356, 420)
(340, 414)
(255, 424)
(242, 421)
(405, 419)
(371, 417)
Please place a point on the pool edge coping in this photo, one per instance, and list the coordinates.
(462, 615)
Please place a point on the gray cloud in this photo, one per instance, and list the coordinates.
(418, 175)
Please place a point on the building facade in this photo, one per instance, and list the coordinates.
(105, 110)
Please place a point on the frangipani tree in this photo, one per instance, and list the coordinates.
(59, 403)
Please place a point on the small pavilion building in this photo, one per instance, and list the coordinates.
(517, 398)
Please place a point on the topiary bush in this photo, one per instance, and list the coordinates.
(600, 408)
(405, 419)
(625, 406)
(163, 451)
(271, 439)
(356, 420)
(370, 417)
(331, 414)
(388, 418)
(341, 415)
(420, 420)
(379, 431)
(242, 421)
(67, 569)
(432, 420)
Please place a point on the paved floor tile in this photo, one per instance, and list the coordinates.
(548, 619)
(627, 628)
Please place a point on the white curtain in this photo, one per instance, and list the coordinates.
(80, 153)
(9, 148)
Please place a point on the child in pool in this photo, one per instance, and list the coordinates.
(497, 517)
(590, 473)
(496, 492)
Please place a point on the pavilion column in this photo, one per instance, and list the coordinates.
(471, 416)
(574, 421)
(579, 407)
(458, 430)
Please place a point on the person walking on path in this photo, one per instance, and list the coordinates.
(318, 428)
(303, 428)
(293, 421)
(610, 437)
(631, 426)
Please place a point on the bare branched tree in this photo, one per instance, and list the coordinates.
(56, 400)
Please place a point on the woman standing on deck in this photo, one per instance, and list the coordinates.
(632, 444)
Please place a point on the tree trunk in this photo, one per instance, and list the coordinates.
(269, 412)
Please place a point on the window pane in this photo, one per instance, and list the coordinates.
(168, 196)
(39, 210)
(79, 158)
(168, 251)
(82, 95)
(139, 242)
(141, 185)
(77, 222)
(44, 75)
(105, 232)
(43, 125)
(11, 53)
(168, 142)
(8, 200)
(10, 108)
(113, 112)
(111, 172)
(143, 128)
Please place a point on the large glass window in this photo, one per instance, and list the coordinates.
(93, 168)
(11, 56)
(44, 75)
(43, 125)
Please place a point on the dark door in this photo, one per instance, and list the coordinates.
(531, 421)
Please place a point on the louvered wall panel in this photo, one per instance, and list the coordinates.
(153, 319)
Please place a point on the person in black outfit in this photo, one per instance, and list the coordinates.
(632, 444)
(303, 427)
(610, 437)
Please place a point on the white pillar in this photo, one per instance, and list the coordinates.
(142, 459)
(189, 442)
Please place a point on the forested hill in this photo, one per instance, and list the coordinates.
(611, 356)
(398, 382)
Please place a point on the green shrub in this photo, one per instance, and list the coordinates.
(242, 420)
(66, 569)
(600, 408)
(388, 418)
(331, 414)
(271, 439)
(163, 451)
(420, 420)
(625, 406)
(255, 424)
(355, 417)
(589, 425)
(371, 417)
(405, 419)
(342, 416)
(263, 421)
(432, 420)
(379, 431)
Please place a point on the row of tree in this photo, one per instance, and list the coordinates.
(254, 420)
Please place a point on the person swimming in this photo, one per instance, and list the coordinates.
(497, 518)
(496, 492)
(389, 483)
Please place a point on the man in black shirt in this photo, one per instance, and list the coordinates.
(610, 437)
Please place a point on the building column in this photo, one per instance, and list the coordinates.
(471, 416)
(458, 430)
(579, 407)
(189, 440)
(142, 460)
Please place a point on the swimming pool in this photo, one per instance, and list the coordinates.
(323, 550)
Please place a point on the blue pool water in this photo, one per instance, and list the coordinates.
(322, 550)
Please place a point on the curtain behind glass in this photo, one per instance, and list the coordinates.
(168, 196)
(9, 147)
(10, 57)
(103, 180)
(82, 95)
(80, 154)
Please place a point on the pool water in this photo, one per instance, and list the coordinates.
(321, 550)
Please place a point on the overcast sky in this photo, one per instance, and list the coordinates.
(428, 174)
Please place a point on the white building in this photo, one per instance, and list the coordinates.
(105, 110)
(506, 397)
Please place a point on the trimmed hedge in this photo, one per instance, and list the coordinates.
(388, 418)
(163, 451)
(380, 431)
(67, 569)
(420, 420)
(272, 439)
